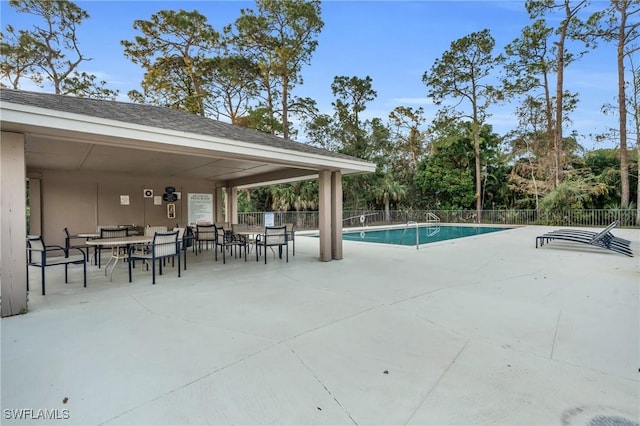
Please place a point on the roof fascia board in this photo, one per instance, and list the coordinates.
(42, 117)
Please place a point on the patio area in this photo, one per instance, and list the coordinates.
(480, 330)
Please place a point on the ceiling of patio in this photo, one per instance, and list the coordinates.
(73, 151)
(44, 152)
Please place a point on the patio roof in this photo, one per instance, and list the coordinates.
(80, 134)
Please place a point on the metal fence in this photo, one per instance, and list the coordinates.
(355, 218)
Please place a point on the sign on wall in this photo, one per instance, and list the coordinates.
(269, 219)
(199, 208)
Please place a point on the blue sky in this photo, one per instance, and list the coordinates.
(393, 42)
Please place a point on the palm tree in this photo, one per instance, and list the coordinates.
(388, 190)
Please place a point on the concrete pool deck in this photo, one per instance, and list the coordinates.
(481, 330)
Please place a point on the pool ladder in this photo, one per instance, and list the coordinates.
(413, 223)
(431, 230)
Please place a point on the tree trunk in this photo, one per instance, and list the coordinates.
(387, 211)
(557, 134)
(622, 109)
(476, 146)
(285, 108)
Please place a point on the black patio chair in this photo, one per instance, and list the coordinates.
(274, 236)
(291, 235)
(69, 243)
(204, 234)
(43, 256)
(226, 240)
(164, 246)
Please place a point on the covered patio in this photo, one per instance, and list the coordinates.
(479, 330)
(93, 162)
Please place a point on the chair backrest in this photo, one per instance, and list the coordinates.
(291, 230)
(220, 233)
(275, 235)
(165, 243)
(602, 234)
(35, 243)
(150, 231)
(180, 232)
(114, 232)
(239, 227)
(206, 232)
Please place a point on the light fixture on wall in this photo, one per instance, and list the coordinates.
(169, 194)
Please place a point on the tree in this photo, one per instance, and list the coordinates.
(406, 123)
(616, 23)
(462, 73)
(231, 81)
(445, 177)
(569, 28)
(352, 94)
(20, 57)
(280, 38)
(386, 190)
(634, 108)
(50, 51)
(174, 49)
(531, 63)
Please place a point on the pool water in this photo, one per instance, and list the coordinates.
(426, 234)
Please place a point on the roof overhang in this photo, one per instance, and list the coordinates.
(70, 141)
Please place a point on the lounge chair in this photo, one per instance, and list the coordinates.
(603, 239)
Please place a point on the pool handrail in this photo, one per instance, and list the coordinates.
(411, 222)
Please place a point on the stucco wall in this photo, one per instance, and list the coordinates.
(82, 201)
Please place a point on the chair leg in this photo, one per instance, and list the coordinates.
(185, 259)
(42, 268)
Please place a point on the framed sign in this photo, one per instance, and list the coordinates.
(171, 211)
(199, 208)
(269, 219)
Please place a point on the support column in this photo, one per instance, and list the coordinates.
(336, 215)
(233, 205)
(219, 217)
(324, 213)
(13, 272)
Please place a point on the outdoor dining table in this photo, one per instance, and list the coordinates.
(118, 243)
(250, 234)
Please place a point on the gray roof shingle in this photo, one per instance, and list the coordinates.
(155, 116)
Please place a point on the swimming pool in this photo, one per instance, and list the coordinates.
(406, 236)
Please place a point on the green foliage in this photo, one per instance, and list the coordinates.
(280, 38)
(296, 196)
(173, 49)
(352, 94)
(49, 52)
(573, 193)
(462, 75)
(446, 177)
